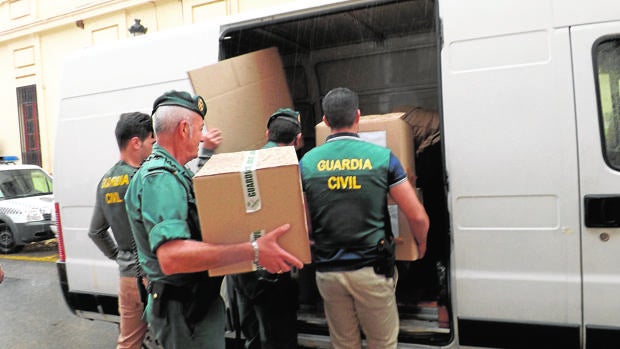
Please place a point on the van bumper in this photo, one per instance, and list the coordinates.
(86, 305)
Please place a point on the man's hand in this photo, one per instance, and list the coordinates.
(211, 139)
(421, 247)
(1, 274)
(273, 257)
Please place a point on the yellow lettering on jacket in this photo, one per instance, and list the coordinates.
(344, 165)
(343, 182)
(115, 181)
(113, 198)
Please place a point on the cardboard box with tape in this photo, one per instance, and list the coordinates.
(241, 193)
(391, 131)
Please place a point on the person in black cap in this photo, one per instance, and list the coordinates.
(184, 308)
(284, 128)
(268, 302)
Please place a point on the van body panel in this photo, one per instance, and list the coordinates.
(479, 19)
(515, 212)
(139, 62)
(600, 244)
(577, 12)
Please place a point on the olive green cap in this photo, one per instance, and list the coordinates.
(287, 114)
(182, 99)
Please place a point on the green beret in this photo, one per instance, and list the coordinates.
(287, 114)
(182, 99)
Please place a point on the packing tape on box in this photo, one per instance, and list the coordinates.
(249, 182)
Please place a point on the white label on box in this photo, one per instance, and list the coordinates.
(393, 210)
(376, 137)
(249, 183)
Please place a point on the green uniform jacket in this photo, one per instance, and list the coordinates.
(161, 206)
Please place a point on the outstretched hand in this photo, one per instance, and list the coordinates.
(211, 139)
(271, 256)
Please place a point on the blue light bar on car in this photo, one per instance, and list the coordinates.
(8, 159)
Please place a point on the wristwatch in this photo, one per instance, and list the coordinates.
(255, 248)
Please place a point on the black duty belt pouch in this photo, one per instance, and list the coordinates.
(386, 256)
(384, 264)
(158, 292)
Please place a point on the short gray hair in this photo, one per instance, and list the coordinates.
(167, 117)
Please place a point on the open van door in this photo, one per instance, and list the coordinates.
(511, 159)
(596, 61)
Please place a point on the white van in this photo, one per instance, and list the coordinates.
(523, 190)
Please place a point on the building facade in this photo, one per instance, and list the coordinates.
(35, 36)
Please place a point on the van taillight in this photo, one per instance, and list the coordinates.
(59, 237)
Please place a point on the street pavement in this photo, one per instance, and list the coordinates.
(33, 312)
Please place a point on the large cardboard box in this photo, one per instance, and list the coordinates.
(241, 93)
(240, 193)
(389, 130)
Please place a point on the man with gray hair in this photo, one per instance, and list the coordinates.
(184, 308)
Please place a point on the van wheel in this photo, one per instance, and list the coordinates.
(7, 240)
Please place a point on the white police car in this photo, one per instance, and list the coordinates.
(26, 205)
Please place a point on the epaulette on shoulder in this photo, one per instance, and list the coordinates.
(159, 163)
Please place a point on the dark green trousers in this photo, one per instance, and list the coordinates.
(173, 332)
(267, 310)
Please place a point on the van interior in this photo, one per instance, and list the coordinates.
(388, 52)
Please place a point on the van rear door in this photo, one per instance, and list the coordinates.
(596, 60)
(511, 159)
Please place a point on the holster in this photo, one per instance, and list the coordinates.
(386, 259)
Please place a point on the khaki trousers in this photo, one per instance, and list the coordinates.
(360, 298)
(132, 329)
